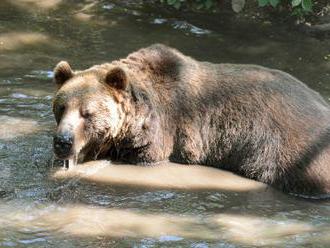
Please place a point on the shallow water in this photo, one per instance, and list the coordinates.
(102, 205)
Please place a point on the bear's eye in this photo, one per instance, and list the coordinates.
(86, 114)
(59, 110)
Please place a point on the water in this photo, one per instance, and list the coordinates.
(102, 205)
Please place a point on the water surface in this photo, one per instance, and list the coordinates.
(103, 205)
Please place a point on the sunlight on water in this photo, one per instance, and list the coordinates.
(100, 204)
(17, 40)
(244, 228)
(85, 221)
(33, 5)
(167, 175)
(12, 127)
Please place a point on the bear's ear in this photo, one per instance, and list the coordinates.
(62, 73)
(117, 78)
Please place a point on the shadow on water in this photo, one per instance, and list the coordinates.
(104, 205)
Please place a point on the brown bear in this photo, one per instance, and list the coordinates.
(158, 104)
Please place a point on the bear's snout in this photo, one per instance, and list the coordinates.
(63, 143)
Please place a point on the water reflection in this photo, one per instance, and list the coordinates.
(163, 176)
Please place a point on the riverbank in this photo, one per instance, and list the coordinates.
(316, 22)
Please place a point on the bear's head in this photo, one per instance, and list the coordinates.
(91, 108)
(117, 110)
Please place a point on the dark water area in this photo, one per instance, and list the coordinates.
(124, 206)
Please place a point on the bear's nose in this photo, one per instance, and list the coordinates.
(63, 145)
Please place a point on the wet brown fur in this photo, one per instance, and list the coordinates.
(260, 123)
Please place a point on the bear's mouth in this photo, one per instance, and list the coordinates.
(77, 155)
(75, 159)
(70, 163)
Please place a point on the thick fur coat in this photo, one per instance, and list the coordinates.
(257, 122)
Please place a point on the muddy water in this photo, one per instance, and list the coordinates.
(103, 205)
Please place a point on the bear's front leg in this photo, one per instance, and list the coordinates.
(188, 147)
